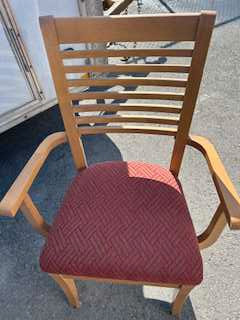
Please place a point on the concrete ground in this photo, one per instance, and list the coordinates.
(26, 293)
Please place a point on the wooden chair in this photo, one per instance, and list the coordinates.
(126, 222)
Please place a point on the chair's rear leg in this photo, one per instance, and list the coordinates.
(69, 288)
(180, 298)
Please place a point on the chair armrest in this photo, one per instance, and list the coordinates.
(225, 188)
(16, 194)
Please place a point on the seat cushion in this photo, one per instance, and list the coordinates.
(124, 220)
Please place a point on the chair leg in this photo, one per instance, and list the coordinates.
(69, 288)
(180, 297)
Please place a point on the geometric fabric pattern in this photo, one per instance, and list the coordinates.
(127, 221)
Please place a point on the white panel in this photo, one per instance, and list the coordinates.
(14, 90)
(26, 13)
(62, 8)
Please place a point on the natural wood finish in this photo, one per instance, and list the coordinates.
(33, 216)
(128, 68)
(161, 27)
(203, 37)
(182, 291)
(127, 129)
(51, 42)
(127, 118)
(18, 191)
(214, 230)
(121, 281)
(172, 27)
(227, 193)
(69, 288)
(180, 298)
(127, 107)
(127, 95)
(136, 81)
(164, 27)
(126, 53)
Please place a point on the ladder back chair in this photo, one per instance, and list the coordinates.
(126, 222)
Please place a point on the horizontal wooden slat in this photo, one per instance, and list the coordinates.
(127, 118)
(137, 81)
(128, 129)
(163, 27)
(127, 95)
(128, 68)
(127, 107)
(126, 53)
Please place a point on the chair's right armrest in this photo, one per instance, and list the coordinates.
(16, 194)
(225, 188)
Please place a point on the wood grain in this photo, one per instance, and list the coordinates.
(134, 81)
(121, 281)
(162, 27)
(50, 37)
(127, 107)
(126, 53)
(31, 213)
(127, 118)
(214, 229)
(204, 33)
(128, 129)
(127, 95)
(130, 68)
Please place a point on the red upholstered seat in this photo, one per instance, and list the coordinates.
(124, 220)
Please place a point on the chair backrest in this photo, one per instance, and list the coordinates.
(195, 28)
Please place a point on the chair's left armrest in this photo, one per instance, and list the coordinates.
(225, 188)
(16, 194)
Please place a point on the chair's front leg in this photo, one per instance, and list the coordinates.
(69, 288)
(179, 299)
(33, 216)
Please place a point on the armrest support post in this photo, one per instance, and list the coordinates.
(214, 229)
(227, 193)
(33, 216)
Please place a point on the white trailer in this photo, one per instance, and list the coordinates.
(26, 87)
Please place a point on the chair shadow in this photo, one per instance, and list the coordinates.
(165, 307)
(19, 143)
